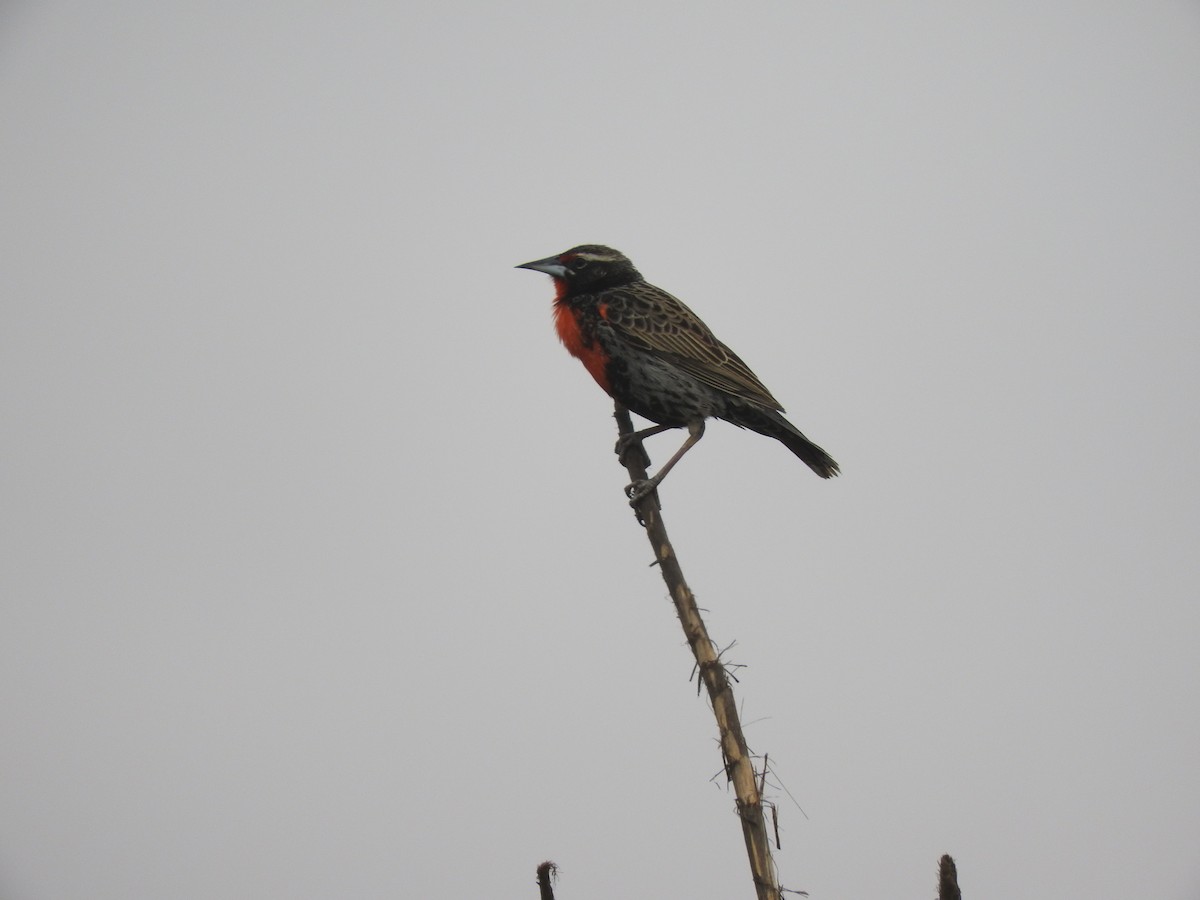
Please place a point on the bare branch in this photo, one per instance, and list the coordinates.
(948, 880)
(715, 676)
(546, 873)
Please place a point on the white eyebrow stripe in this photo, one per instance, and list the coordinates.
(597, 257)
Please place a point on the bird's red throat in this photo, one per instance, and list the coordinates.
(589, 353)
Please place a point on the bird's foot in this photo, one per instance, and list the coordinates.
(628, 444)
(638, 490)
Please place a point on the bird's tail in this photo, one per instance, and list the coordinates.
(773, 424)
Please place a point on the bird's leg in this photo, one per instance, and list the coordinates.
(640, 489)
(627, 442)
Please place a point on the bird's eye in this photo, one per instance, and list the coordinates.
(579, 262)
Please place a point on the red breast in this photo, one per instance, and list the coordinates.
(591, 354)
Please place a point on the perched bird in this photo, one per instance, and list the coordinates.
(655, 357)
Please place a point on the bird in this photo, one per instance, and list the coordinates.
(655, 357)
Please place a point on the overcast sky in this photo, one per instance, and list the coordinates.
(317, 578)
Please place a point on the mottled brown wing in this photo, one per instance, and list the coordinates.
(652, 319)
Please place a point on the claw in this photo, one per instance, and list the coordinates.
(638, 490)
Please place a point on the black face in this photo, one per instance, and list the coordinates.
(588, 267)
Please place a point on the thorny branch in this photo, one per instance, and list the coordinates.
(735, 753)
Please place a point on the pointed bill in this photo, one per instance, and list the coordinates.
(551, 265)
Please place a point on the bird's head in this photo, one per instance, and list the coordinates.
(586, 268)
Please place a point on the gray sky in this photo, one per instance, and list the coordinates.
(317, 577)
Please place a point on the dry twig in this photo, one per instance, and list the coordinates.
(736, 754)
(546, 873)
(948, 880)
